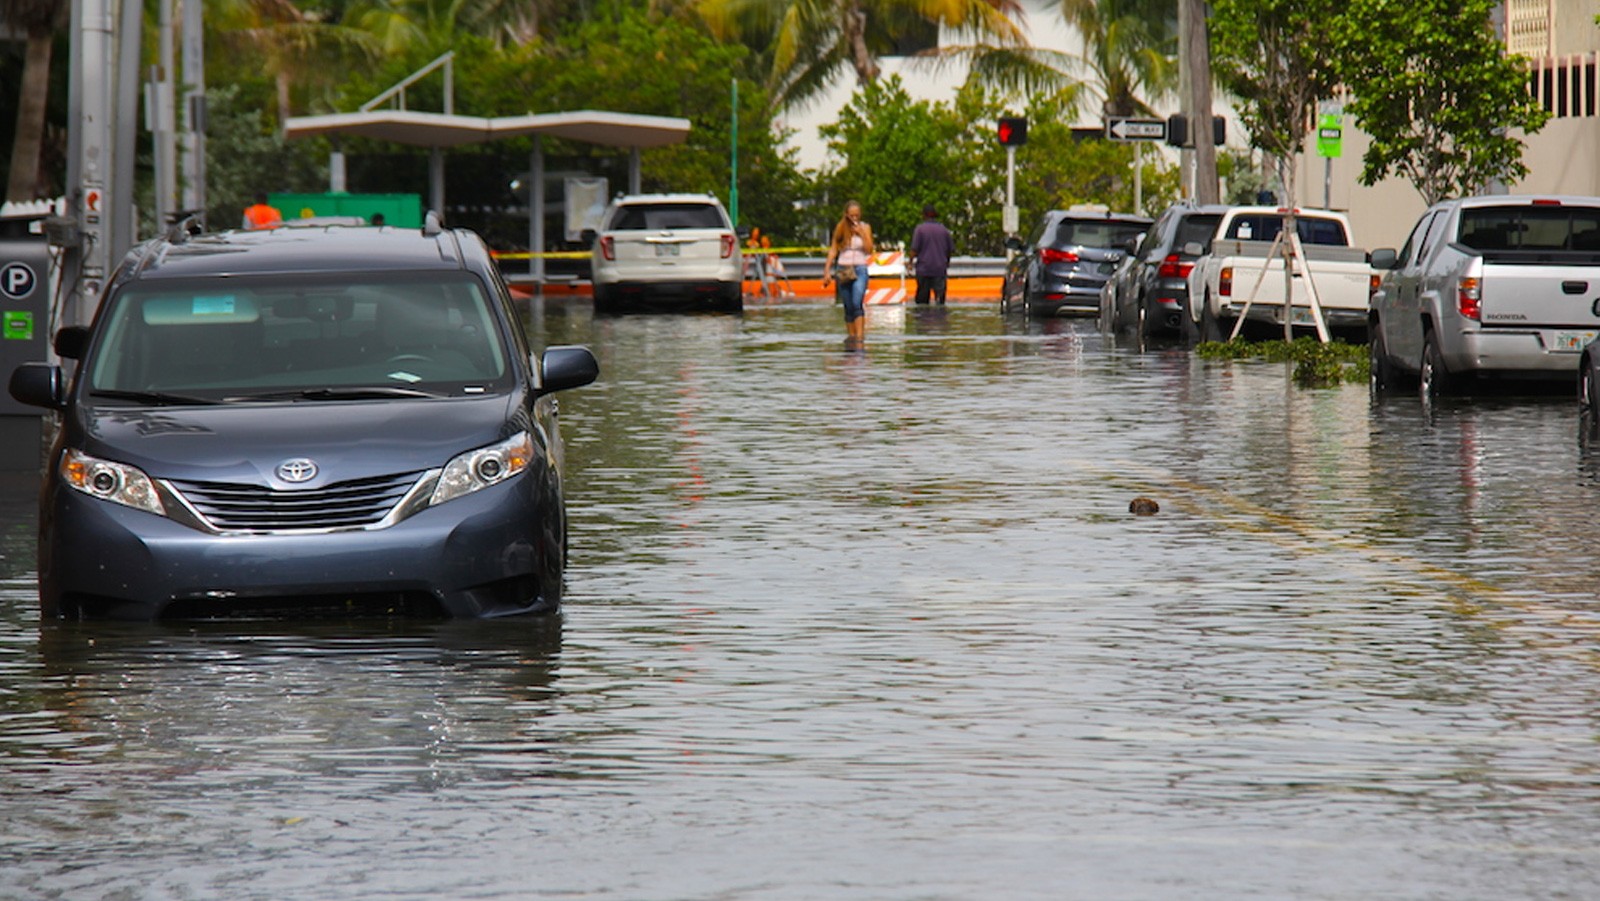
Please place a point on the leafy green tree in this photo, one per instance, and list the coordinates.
(897, 154)
(1436, 92)
(241, 145)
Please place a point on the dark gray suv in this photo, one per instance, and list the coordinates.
(1066, 260)
(320, 420)
(1149, 294)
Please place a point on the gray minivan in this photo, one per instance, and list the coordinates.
(313, 420)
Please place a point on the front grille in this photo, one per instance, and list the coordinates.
(252, 508)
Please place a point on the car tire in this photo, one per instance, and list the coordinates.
(1381, 376)
(1434, 380)
(1588, 395)
(1210, 329)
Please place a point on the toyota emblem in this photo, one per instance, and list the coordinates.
(297, 470)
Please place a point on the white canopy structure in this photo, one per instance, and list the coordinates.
(437, 131)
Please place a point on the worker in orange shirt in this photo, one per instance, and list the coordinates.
(262, 214)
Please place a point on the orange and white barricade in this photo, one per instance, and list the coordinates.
(886, 265)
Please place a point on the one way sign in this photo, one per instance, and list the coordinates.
(1121, 128)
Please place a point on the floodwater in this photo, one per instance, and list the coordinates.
(879, 625)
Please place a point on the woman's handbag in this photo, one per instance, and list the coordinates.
(844, 275)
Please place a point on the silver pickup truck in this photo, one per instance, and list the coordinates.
(1501, 287)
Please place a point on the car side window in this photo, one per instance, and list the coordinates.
(1037, 236)
(1430, 237)
(1414, 239)
(1152, 238)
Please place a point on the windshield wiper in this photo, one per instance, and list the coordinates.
(377, 392)
(156, 397)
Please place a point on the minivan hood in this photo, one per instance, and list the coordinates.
(245, 443)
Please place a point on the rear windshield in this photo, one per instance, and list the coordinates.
(1097, 232)
(426, 331)
(1267, 226)
(1530, 228)
(1197, 230)
(661, 216)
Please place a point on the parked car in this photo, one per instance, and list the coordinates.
(1241, 274)
(1066, 260)
(667, 251)
(327, 420)
(1149, 292)
(1498, 287)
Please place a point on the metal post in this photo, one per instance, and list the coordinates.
(634, 180)
(436, 181)
(193, 151)
(89, 163)
(536, 213)
(1138, 178)
(163, 125)
(1327, 182)
(733, 153)
(122, 224)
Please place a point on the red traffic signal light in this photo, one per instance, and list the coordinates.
(1012, 131)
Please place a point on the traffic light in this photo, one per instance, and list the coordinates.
(1012, 131)
(1178, 131)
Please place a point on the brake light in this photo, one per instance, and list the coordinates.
(1546, 202)
(727, 246)
(1174, 267)
(608, 247)
(1225, 282)
(1048, 256)
(1469, 297)
(1373, 281)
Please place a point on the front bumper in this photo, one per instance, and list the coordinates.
(495, 552)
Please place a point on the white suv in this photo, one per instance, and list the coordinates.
(667, 250)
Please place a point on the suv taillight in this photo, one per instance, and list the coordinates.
(1174, 267)
(1049, 255)
(1469, 297)
(608, 247)
(728, 243)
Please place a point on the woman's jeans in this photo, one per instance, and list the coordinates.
(853, 295)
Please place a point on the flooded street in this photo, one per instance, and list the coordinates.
(880, 626)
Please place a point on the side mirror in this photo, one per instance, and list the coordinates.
(71, 342)
(587, 236)
(566, 367)
(1383, 258)
(743, 232)
(1013, 242)
(38, 385)
(1132, 244)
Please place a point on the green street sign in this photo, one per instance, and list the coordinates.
(1330, 135)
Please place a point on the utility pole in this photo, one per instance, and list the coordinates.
(1194, 75)
(192, 151)
(89, 159)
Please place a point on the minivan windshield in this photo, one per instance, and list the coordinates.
(322, 337)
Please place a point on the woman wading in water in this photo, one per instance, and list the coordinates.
(848, 254)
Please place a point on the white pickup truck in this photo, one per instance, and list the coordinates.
(1241, 260)
(1501, 287)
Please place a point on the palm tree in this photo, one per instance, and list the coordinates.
(811, 41)
(38, 20)
(1130, 46)
(293, 46)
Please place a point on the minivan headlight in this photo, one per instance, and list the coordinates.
(108, 481)
(478, 469)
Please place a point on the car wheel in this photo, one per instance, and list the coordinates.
(1382, 375)
(1210, 330)
(1434, 380)
(1587, 392)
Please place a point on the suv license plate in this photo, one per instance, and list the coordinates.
(1572, 342)
(666, 250)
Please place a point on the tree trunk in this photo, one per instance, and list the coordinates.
(866, 66)
(22, 182)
